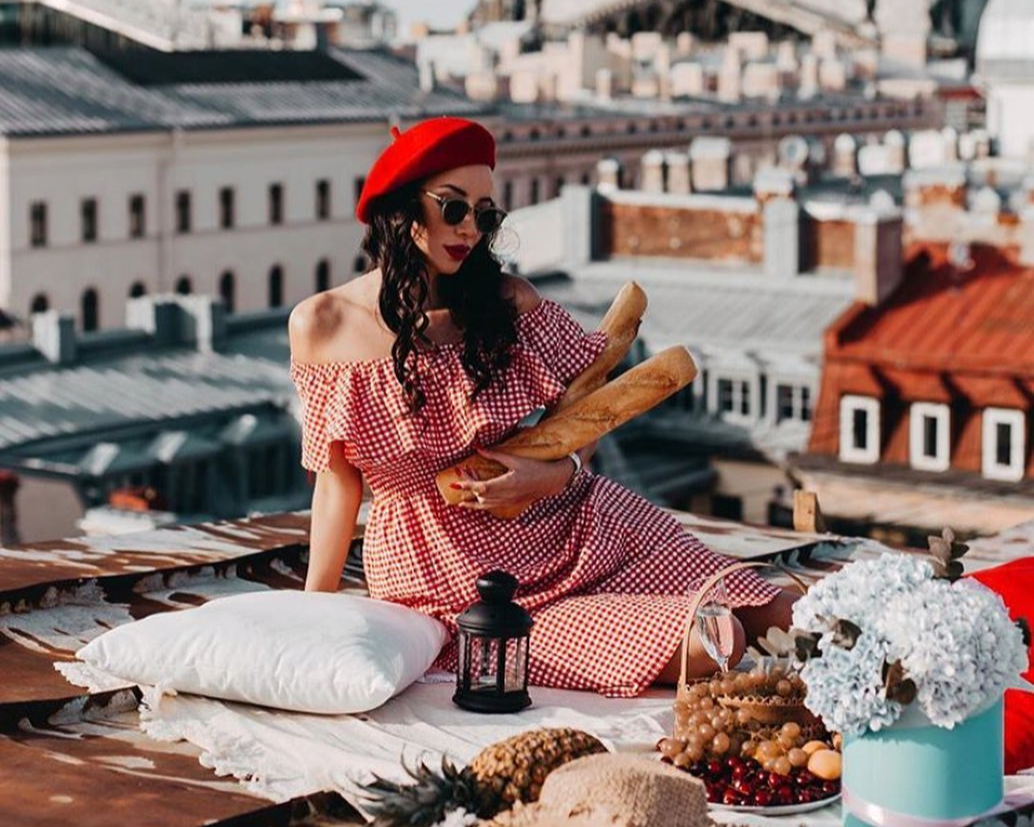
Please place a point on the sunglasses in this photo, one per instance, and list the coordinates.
(455, 210)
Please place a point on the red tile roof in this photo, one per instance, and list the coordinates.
(978, 320)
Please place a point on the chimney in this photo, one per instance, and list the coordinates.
(185, 320)
(711, 159)
(53, 335)
(950, 137)
(678, 173)
(157, 315)
(653, 171)
(986, 207)
(203, 321)
(877, 253)
(927, 188)
(608, 174)
(1026, 236)
(604, 84)
(809, 83)
(426, 75)
(776, 192)
(897, 150)
(845, 156)
(9, 535)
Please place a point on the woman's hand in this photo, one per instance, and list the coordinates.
(525, 481)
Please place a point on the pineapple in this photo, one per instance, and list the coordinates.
(500, 775)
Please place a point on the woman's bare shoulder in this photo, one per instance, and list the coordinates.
(522, 292)
(322, 326)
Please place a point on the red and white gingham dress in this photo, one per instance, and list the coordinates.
(605, 573)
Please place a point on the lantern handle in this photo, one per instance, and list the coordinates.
(709, 583)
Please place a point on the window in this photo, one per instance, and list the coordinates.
(276, 286)
(91, 310)
(793, 402)
(183, 212)
(534, 190)
(357, 189)
(322, 276)
(1004, 448)
(137, 217)
(859, 429)
(184, 287)
(734, 397)
(226, 208)
(507, 195)
(40, 304)
(323, 199)
(88, 219)
(276, 203)
(586, 179)
(558, 185)
(228, 291)
(38, 224)
(929, 436)
(137, 290)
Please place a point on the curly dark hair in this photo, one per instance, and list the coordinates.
(473, 295)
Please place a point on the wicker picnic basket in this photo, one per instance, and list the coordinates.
(765, 710)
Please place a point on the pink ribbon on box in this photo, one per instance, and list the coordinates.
(882, 817)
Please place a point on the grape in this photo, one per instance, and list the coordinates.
(798, 757)
(720, 744)
(791, 729)
(706, 732)
(784, 688)
(781, 765)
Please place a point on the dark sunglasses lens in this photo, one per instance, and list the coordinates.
(454, 211)
(488, 221)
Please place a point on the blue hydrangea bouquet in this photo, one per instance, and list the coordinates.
(910, 664)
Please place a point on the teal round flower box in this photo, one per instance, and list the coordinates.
(914, 772)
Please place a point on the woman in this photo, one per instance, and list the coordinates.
(437, 353)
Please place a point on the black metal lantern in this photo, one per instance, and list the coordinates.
(493, 649)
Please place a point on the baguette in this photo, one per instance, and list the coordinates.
(585, 420)
(621, 324)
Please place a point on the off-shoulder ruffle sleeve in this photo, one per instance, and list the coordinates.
(315, 391)
(560, 341)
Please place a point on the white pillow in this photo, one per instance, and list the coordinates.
(302, 651)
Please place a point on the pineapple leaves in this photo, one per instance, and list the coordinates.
(947, 554)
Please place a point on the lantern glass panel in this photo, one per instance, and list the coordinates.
(484, 663)
(516, 660)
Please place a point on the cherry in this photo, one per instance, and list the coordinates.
(734, 763)
(830, 787)
(699, 769)
(762, 798)
(804, 778)
(742, 786)
(731, 797)
(776, 780)
(715, 768)
(784, 795)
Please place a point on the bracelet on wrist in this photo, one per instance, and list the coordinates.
(577, 460)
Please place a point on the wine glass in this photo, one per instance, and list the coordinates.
(715, 626)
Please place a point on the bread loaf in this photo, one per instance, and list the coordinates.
(587, 419)
(621, 324)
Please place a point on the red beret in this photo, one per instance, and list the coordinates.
(429, 147)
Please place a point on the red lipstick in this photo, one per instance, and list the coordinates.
(457, 252)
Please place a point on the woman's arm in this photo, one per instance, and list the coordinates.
(335, 510)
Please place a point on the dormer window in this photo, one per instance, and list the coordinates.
(929, 436)
(1004, 444)
(859, 429)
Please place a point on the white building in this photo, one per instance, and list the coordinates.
(1005, 65)
(172, 173)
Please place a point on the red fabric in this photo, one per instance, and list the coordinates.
(606, 574)
(1015, 583)
(429, 147)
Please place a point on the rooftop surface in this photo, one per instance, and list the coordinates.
(970, 315)
(68, 90)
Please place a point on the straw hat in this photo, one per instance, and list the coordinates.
(610, 790)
